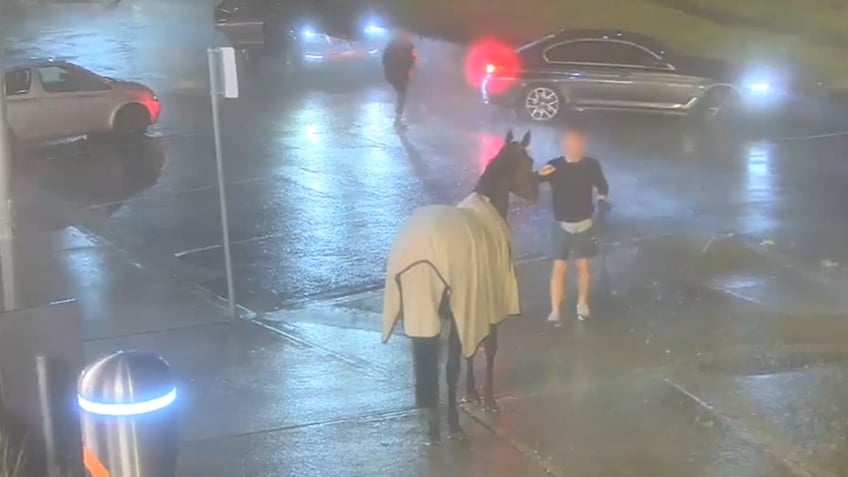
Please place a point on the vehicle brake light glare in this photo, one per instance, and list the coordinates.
(154, 107)
(487, 57)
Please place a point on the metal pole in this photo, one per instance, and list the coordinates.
(47, 424)
(7, 258)
(215, 92)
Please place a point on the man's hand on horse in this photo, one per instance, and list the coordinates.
(546, 170)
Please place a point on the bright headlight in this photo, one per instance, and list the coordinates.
(759, 87)
(309, 33)
(374, 29)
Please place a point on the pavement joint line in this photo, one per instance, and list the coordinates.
(189, 285)
(361, 365)
(523, 449)
(361, 418)
(178, 193)
(187, 326)
(810, 137)
(783, 452)
(343, 296)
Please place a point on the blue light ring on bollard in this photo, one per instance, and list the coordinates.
(127, 409)
(126, 383)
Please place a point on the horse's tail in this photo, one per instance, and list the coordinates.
(425, 357)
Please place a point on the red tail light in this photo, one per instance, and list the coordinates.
(490, 68)
(153, 107)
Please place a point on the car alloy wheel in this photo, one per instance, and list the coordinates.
(542, 103)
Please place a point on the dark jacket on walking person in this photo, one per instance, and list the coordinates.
(398, 61)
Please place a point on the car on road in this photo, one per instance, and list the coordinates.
(302, 31)
(616, 70)
(49, 100)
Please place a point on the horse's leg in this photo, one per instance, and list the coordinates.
(452, 374)
(471, 394)
(426, 360)
(419, 359)
(491, 346)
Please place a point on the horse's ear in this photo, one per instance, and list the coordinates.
(509, 137)
(525, 141)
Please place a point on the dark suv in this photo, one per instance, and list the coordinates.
(302, 30)
(615, 70)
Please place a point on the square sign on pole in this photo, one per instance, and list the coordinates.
(223, 81)
(230, 72)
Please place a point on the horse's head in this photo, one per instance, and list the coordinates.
(511, 171)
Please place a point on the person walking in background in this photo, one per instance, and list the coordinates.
(399, 59)
(574, 179)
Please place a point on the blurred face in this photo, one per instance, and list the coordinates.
(573, 145)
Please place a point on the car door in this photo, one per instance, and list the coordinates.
(590, 74)
(73, 101)
(21, 104)
(650, 81)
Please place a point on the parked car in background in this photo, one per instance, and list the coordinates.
(615, 70)
(313, 31)
(48, 100)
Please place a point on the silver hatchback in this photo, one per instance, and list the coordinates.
(49, 100)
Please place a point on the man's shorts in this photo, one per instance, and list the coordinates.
(575, 245)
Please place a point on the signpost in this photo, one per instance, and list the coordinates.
(7, 258)
(223, 81)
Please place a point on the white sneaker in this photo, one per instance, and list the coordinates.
(582, 311)
(553, 318)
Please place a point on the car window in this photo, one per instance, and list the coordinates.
(532, 44)
(62, 79)
(601, 51)
(18, 82)
(626, 54)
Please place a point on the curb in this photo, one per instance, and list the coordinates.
(833, 280)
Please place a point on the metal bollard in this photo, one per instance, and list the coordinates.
(128, 420)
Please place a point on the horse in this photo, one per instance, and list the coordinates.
(454, 264)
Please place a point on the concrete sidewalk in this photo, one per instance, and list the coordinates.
(682, 371)
(254, 400)
(700, 360)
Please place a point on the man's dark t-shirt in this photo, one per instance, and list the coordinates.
(572, 185)
(398, 60)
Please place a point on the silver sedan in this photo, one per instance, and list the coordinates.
(49, 100)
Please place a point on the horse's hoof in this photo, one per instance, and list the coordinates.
(491, 406)
(457, 434)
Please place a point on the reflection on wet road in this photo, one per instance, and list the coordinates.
(318, 179)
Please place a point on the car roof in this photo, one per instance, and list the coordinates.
(21, 63)
(602, 34)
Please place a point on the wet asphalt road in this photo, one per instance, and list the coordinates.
(318, 180)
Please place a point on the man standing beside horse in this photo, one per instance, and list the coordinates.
(574, 180)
